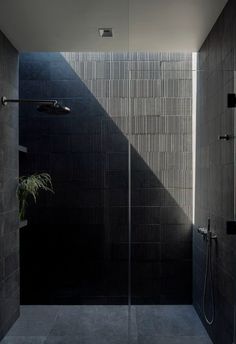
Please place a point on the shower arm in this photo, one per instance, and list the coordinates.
(5, 100)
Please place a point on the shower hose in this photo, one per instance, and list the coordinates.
(208, 276)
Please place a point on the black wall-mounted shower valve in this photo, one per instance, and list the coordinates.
(231, 100)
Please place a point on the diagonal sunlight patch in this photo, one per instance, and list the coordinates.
(152, 94)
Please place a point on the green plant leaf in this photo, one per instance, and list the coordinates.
(30, 186)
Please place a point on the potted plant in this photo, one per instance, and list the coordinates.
(30, 186)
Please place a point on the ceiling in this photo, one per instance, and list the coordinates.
(138, 25)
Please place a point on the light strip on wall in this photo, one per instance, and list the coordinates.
(194, 115)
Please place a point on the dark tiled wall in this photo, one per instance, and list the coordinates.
(85, 260)
(215, 171)
(9, 232)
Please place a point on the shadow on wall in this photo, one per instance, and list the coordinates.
(75, 248)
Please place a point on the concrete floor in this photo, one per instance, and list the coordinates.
(107, 325)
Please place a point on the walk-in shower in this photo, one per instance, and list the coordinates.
(121, 167)
(117, 234)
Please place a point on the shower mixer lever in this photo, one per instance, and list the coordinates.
(206, 232)
(202, 230)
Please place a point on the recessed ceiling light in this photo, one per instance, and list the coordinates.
(105, 32)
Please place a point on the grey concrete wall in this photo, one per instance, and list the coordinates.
(9, 231)
(144, 96)
(215, 172)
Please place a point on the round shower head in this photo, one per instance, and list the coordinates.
(53, 108)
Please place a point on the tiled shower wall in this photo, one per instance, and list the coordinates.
(9, 224)
(146, 98)
(215, 172)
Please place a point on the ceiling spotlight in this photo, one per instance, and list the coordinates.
(105, 32)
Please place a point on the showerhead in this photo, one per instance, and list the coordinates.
(53, 108)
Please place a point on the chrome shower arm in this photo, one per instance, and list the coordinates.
(5, 100)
